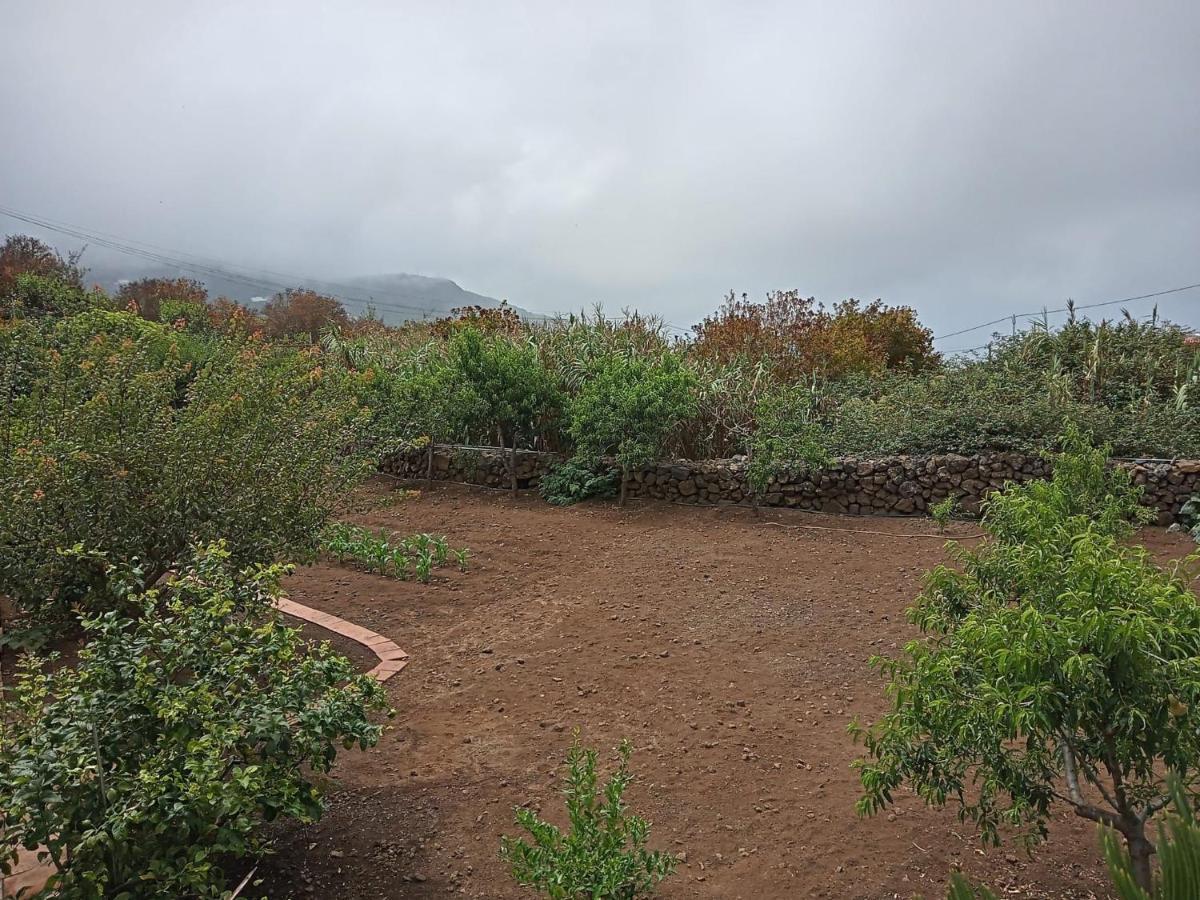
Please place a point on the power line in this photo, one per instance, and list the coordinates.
(203, 266)
(989, 344)
(967, 349)
(1067, 309)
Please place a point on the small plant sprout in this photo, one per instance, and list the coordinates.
(441, 551)
(461, 557)
(943, 511)
(603, 854)
(424, 565)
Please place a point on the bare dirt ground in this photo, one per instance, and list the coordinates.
(732, 653)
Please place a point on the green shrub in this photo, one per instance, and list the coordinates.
(943, 511)
(786, 434)
(102, 454)
(1189, 517)
(186, 315)
(604, 854)
(417, 401)
(975, 407)
(155, 759)
(628, 409)
(1060, 666)
(574, 480)
(515, 393)
(33, 296)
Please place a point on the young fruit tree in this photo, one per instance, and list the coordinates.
(1059, 666)
(515, 393)
(628, 408)
(603, 854)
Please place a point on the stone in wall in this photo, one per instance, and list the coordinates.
(895, 485)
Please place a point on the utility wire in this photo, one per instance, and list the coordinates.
(1009, 318)
(273, 281)
(263, 279)
(203, 266)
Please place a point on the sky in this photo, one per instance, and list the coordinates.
(971, 160)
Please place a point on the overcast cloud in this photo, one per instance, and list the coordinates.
(967, 159)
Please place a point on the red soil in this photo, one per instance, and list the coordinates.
(732, 653)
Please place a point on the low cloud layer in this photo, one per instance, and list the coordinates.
(967, 159)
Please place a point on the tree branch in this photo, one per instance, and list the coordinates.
(1082, 807)
(1069, 771)
(1153, 806)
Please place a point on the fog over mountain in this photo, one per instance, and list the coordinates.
(394, 298)
(967, 159)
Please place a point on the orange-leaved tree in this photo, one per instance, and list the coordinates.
(146, 296)
(796, 336)
(21, 254)
(299, 311)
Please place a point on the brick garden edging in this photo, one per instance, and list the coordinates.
(391, 658)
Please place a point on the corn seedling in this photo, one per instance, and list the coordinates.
(414, 556)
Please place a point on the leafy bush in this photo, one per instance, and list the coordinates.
(943, 511)
(417, 400)
(786, 435)
(629, 407)
(157, 757)
(1061, 665)
(973, 408)
(191, 316)
(1189, 517)
(29, 296)
(22, 256)
(415, 555)
(797, 337)
(574, 480)
(102, 453)
(515, 392)
(163, 299)
(604, 854)
(298, 312)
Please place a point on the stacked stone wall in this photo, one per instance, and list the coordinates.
(891, 486)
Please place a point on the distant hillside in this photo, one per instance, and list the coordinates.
(403, 296)
(395, 298)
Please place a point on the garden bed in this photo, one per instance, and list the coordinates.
(731, 652)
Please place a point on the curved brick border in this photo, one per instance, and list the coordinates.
(391, 658)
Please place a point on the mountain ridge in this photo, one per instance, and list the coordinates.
(395, 297)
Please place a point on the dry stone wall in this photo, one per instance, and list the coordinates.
(471, 465)
(892, 486)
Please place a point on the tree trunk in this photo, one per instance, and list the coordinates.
(621, 496)
(1140, 851)
(429, 465)
(512, 458)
